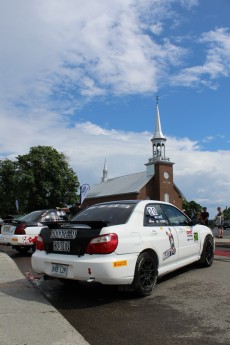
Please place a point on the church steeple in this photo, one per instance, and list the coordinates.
(158, 146)
(158, 132)
(158, 140)
(105, 172)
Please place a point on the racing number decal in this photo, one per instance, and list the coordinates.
(154, 216)
(152, 211)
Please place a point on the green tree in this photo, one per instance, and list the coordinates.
(8, 187)
(43, 179)
(227, 213)
(191, 208)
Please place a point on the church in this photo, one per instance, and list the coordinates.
(155, 183)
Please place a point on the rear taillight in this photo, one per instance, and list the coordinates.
(104, 244)
(40, 243)
(20, 229)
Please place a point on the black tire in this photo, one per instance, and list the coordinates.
(22, 249)
(145, 276)
(207, 255)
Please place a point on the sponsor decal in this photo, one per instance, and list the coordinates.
(172, 250)
(189, 234)
(32, 239)
(67, 234)
(61, 246)
(119, 263)
(195, 236)
(27, 240)
(14, 239)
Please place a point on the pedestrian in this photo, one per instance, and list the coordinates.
(205, 216)
(219, 222)
(73, 210)
(198, 218)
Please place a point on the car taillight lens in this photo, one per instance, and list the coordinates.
(40, 243)
(104, 244)
(20, 229)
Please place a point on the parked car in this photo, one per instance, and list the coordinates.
(21, 232)
(226, 224)
(1, 223)
(123, 243)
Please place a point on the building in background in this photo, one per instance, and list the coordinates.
(155, 183)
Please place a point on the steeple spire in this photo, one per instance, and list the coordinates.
(158, 140)
(105, 172)
(158, 132)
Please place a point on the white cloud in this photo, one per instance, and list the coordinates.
(58, 55)
(83, 49)
(216, 64)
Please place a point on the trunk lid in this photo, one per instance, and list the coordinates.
(70, 238)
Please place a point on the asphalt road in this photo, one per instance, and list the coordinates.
(190, 306)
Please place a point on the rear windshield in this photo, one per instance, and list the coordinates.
(43, 216)
(34, 216)
(112, 214)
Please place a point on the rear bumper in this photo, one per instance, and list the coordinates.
(5, 239)
(109, 269)
(18, 240)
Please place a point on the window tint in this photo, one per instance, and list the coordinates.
(113, 214)
(33, 216)
(44, 216)
(175, 216)
(154, 216)
(53, 216)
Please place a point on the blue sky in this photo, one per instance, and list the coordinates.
(82, 76)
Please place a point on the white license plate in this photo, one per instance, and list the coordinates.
(6, 229)
(59, 270)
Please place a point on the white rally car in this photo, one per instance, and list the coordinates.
(21, 233)
(123, 243)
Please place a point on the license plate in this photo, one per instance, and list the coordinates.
(59, 270)
(6, 229)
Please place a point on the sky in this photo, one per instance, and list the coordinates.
(82, 76)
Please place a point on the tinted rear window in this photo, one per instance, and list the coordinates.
(113, 214)
(33, 216)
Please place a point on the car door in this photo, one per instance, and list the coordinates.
(163, 236)
(188, 239)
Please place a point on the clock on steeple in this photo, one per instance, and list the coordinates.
(166, 175)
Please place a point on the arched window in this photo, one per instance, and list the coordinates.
(166, 197)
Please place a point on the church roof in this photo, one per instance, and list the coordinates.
(119, 185)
